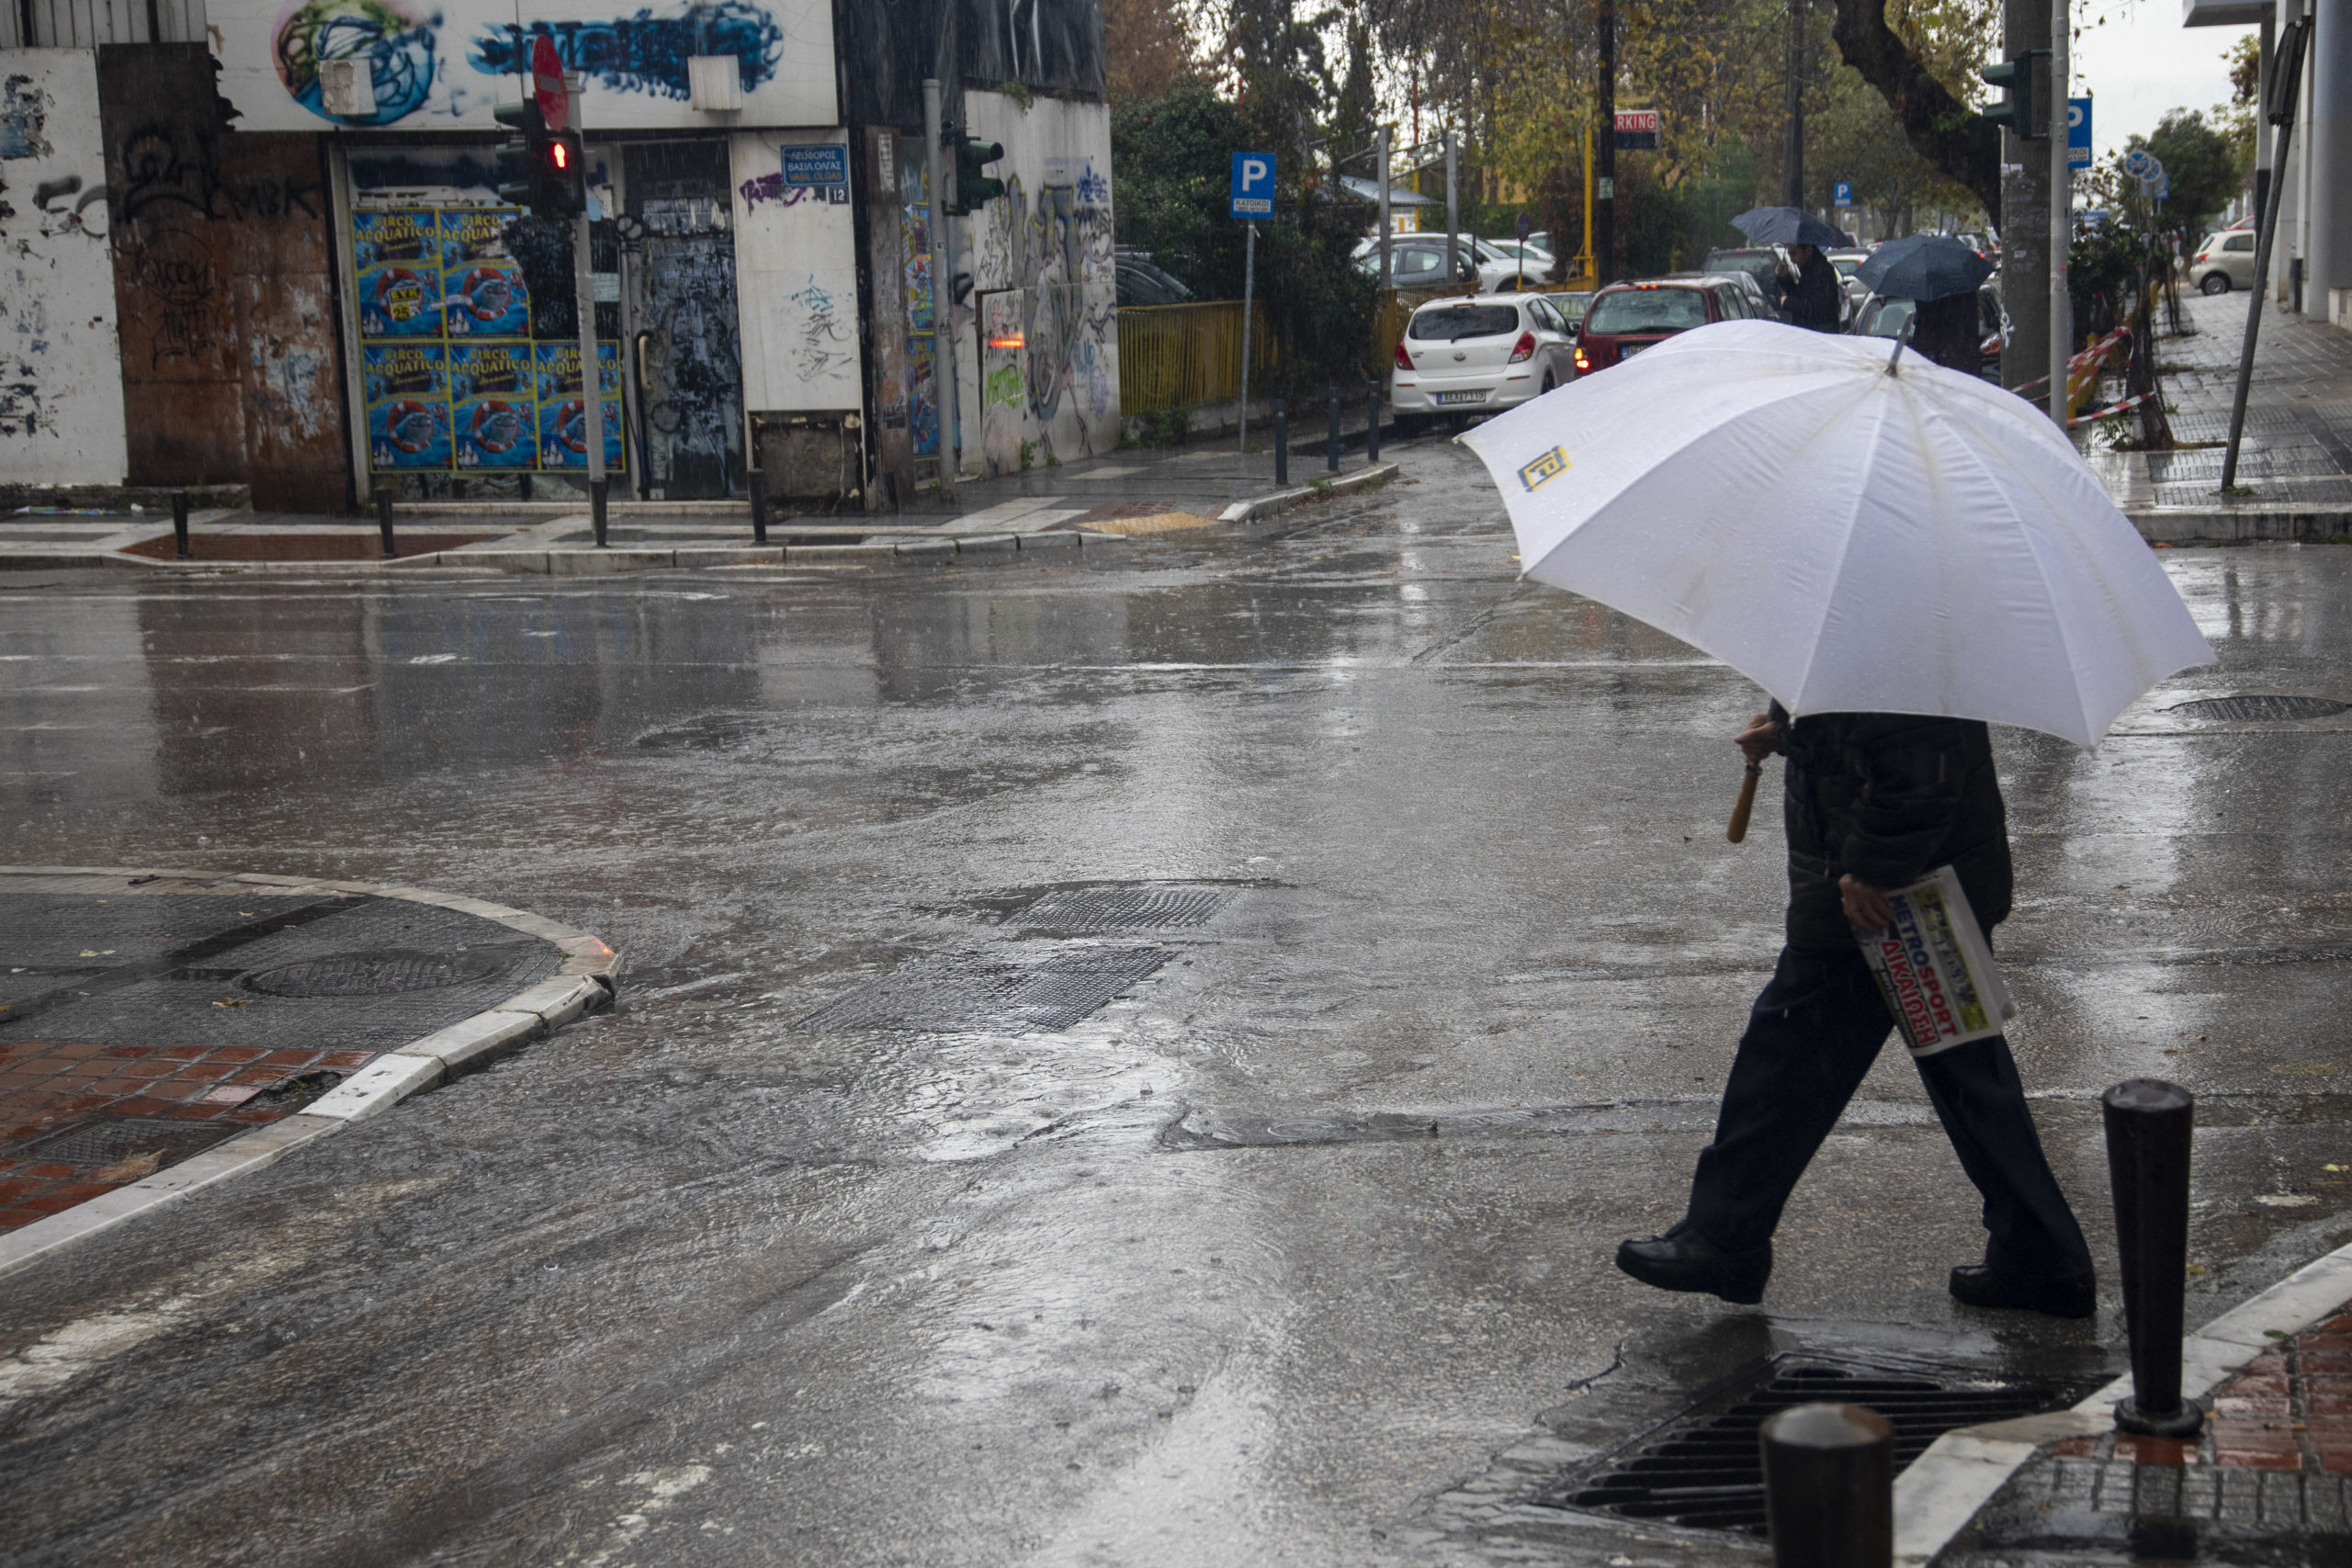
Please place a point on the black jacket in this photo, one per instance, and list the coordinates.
(1815, 299)
(1889, 797)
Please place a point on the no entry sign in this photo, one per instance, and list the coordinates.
(546, 85)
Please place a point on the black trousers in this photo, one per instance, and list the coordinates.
(1811, 1037)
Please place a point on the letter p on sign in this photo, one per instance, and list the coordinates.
(1253, 185)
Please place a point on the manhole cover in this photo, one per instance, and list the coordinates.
(1703, 1468)
(2260, 709)
(1126, 907)
(384, 973)
(92, 1145)
(955, 991)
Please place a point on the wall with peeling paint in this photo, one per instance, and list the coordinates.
(1036, 315)
(796, 265)
(60, 388)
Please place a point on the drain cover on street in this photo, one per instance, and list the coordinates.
(2260, 709)
(1703, 1468)
(385, 973)
(92, 1145)
(1123, 907)
(955, 991)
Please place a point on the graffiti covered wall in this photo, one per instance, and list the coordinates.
(1041, 299)
(441, 64)
(61, 392)
(795, 266)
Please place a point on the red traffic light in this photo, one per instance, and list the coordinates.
(559, 154)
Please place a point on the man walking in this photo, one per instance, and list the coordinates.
(1875, 801)
(1813, 298)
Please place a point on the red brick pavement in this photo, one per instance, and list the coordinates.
(45, 1086)
(2288, 1410)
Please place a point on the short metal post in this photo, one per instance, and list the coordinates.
(1282, 444)
(1372, 423)
(2148, 1126)
(1829, 1487)
(598, 491)
(1331, 439)
(384, 518)
(179, 522)
(759, 512)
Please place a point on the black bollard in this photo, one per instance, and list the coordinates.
(179, 522)
(1331, 439)
(384, 518)
(759, 512)
(2148, 1127)
(1829, 1487)
(1372, 424)
(1282, 444)
(598, 490)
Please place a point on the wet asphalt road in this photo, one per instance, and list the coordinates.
(1188, 1282)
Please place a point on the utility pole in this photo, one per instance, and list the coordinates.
(2062, 217)
(1387, 267)
(583, 293)
(1792, 154)
(2025, 217)
(1452, 204)
(943, 292)
(1604, 219)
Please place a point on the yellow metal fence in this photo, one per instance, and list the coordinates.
(1179, 357)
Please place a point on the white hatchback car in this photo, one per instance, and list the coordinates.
(1475, 356)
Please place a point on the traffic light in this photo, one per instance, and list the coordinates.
(973, 155)
(551, 164)
(561, 177)
(2015, 77)
(519, 156)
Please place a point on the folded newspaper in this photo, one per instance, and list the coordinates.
(1935, 968)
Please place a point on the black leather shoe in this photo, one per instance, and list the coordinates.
(1981, 1285)
(1682, 1260)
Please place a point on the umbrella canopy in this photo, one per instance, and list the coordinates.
(1851, 540)
(1924, 267)
(1786, 226)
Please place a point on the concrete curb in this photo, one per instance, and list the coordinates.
(2238, 525)
(1936, 1497)
(584, 982)
(1283, 500)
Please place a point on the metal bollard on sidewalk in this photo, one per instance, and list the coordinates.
(1282, 444)
(1331, 439)
(384, 518)
(1829, 1487)
(599, 491)
(2149, 1124)
(1372, 424)
(759, 512)
(180, 523)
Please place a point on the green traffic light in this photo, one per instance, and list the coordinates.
(2016, 113)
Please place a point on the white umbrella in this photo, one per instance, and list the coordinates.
(1851, 540)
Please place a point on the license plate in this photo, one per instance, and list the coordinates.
(1627, 351)
(1461, 397)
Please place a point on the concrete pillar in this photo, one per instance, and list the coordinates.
(2329, 189)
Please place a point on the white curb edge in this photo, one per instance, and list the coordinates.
(1936, 1497)
(585, 983)
(1283, 500)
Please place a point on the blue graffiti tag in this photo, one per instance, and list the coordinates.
(644, 53)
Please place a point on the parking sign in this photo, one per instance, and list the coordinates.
(1842, 194)
(1253, 185)
(2078, 133)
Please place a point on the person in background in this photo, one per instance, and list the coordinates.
(1810, 296)
(1947, 330)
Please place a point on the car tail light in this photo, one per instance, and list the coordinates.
(1583, 363)
(1404, 360)
(1524, 348)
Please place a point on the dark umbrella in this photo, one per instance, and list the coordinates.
(1785, 226)
(1924, 267)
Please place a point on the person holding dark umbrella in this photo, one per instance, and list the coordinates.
(1810, 296)
(1943, 275)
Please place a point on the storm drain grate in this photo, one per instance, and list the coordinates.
(1122, 907)
(1703, 1468)
(2259, 709)
(949, 992)
(386, 973)
(92, 1145)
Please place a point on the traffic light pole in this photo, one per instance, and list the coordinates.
(584, 289)
(2061, 218)
(943, 294)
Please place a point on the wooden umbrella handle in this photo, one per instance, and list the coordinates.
(1747, 805)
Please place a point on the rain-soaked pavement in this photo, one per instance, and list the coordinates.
(1266, 1261)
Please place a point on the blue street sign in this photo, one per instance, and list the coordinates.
(817, 164)
(1842, 194)
(2078, 133)
(1253, 185)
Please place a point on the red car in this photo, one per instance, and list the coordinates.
(1626, 318)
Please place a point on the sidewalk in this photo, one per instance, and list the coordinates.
(2295, 462)
(161, 1030)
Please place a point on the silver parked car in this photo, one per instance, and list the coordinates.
(1470, 357)
(2225, 261)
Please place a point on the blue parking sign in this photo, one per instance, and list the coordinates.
(1842, 194)
(1253, 185)
(2078, 133)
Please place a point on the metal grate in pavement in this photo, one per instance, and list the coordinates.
(993, 992)
(1123, 907)
(382, 974)
(92, 1145)
(2260, 709)
(1704, 1470)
